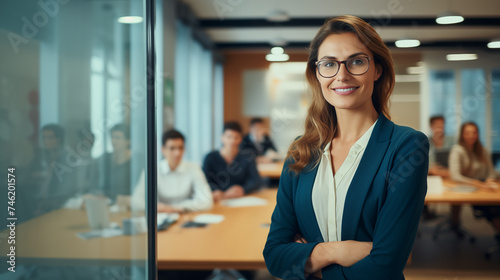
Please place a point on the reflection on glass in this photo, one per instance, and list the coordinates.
(72, 131)
(495, 82)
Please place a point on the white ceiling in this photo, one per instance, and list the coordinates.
(380, 10)
(207, 9)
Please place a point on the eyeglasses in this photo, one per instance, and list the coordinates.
(328, 68)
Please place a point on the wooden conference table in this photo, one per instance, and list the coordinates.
(51, 239)
(448, 196)
(237, 242)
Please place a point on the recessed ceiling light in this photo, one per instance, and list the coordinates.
(494, 44)
(407, 43)
(130, 19)
(461, 56)
(277, 50)
(449, 18)
(277, 57)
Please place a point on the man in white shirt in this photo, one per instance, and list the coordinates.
(182, 185)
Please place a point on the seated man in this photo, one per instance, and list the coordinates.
(258, 142)
(230, 173)
(439, 142)
(112, 170)
(439, 147)
(182, 186)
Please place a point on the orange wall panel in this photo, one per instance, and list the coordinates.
(236, 62)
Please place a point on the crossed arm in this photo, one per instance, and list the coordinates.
(288, 257)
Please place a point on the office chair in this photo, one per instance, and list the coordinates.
(495, 158)
(478, 214)
(446, 226)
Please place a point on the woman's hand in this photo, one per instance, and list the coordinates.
(299, 239)
(350, 252)
(164, 208)
(344, 253)
(217, 195)
(234, 192)
(489, 185)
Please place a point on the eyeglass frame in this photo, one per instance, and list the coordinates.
(346, 68)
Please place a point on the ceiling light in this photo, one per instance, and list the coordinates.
(494, 44)
(415, 70)
(407, 43)
(449, 18)
(277, 50)
(277, 54)
(278, 16)
(130, 19)
(461, 56)
(277, 57)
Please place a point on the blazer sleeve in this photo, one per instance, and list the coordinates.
(285, 258)
(253, 180)
(398, 217)
(207, 168)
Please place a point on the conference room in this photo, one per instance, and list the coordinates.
(109, 107)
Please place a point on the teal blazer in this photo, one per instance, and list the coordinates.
(383, 205)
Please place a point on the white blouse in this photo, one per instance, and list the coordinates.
(329, 192)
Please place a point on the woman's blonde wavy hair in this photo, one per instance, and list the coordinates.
(321, 120)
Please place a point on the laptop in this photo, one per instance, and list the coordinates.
(442, 157)
(97, 212)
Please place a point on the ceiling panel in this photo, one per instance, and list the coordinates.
(220, 9)
(243, 23)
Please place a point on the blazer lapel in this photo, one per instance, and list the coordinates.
(306, 213)
(360, 185)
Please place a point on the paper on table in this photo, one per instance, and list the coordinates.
(434, 185)
(464, 188)
(208, 219)
(244, 201)
(74, 203)
(104, 233)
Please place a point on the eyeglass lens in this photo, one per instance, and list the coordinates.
(355, 66)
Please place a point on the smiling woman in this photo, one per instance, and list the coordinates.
(350, 86)
(353, 186)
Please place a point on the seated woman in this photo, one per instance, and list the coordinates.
(230, 173)
(470, 163)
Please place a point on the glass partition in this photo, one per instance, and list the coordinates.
(73, 139)
(495, 113)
